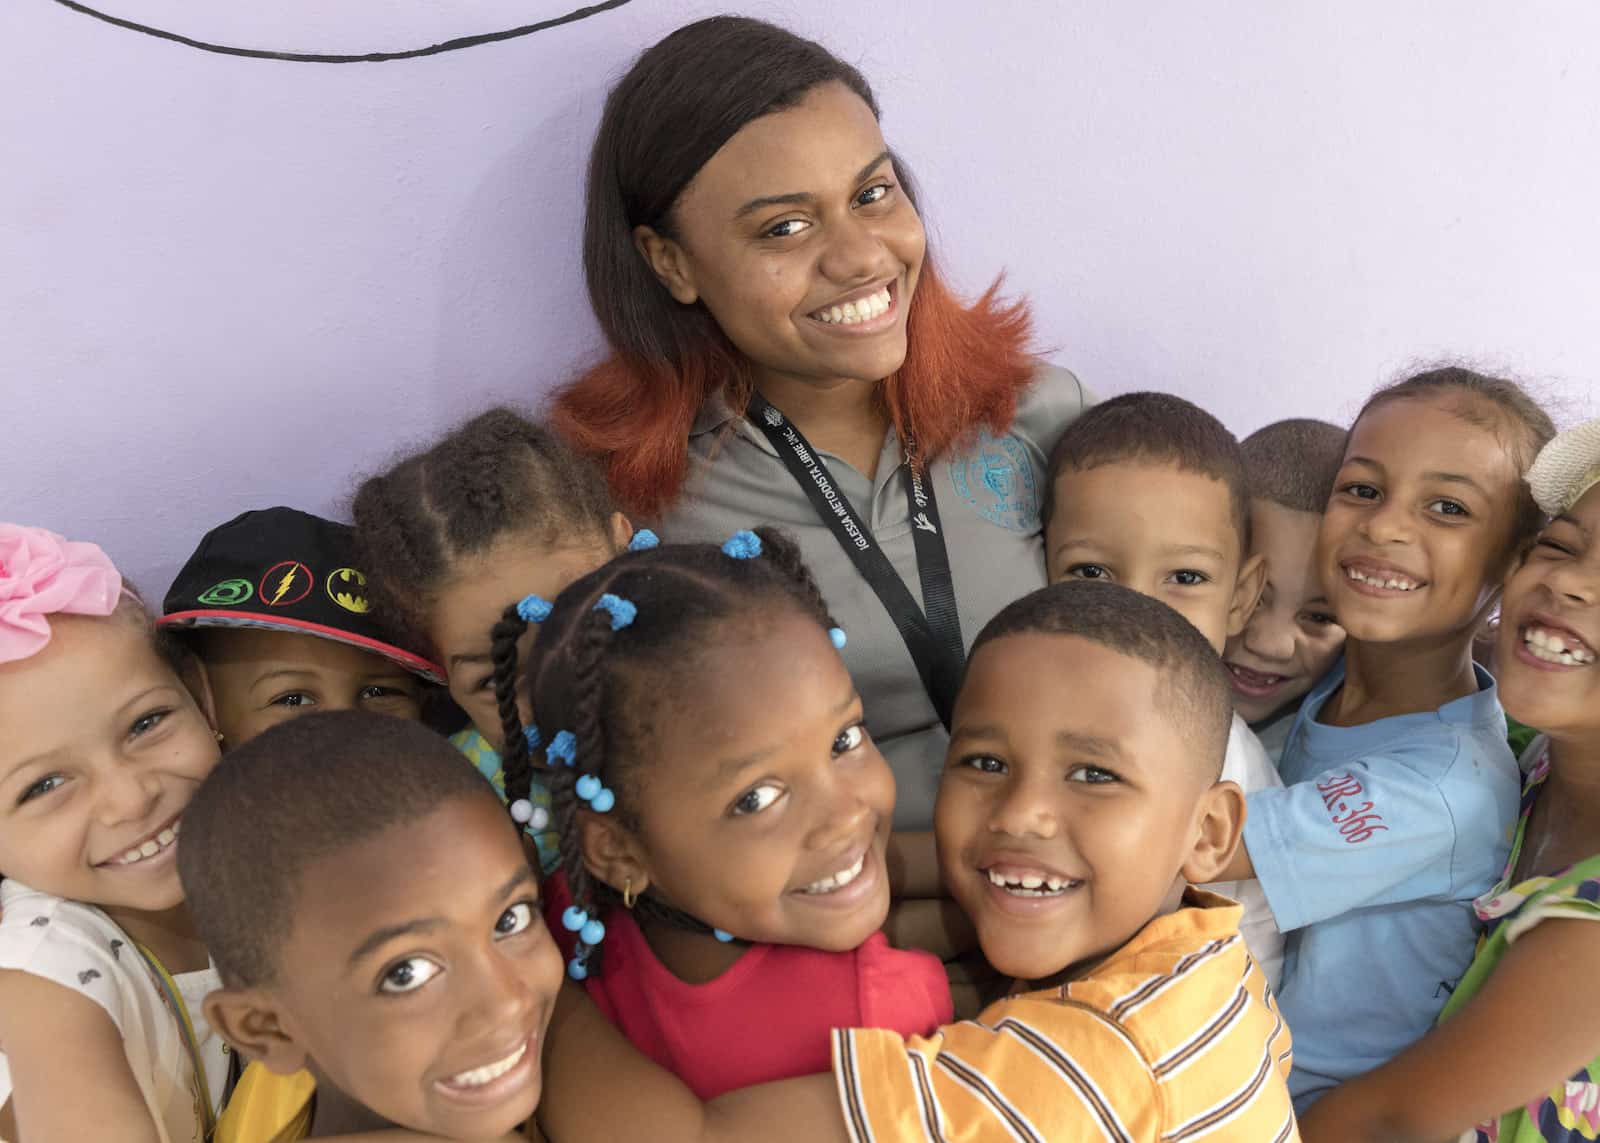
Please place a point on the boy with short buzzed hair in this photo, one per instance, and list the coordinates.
(1148, 490)
(376, 925)
(1080, 797)
(276, 614)
(1292, 638)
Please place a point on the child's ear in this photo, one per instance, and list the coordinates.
(247, 1018)
(1218, 825)
(621, 532)
(1247, 589)
(612, 853)
(668, 261)
(198, 680)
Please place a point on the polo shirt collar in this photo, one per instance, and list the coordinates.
(713, 415)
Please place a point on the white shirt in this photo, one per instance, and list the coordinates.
(1248, 764)
(79, 947)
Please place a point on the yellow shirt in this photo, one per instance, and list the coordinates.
(268, 1108)
(1174, 1037)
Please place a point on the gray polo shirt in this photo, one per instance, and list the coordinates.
(989, 494)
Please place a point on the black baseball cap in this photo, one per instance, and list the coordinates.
(283, 570)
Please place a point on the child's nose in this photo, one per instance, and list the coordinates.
(844, 819)
(1576, 583)
(1025, 810)
(127, 793)
(1388, 523)
(1268, 636)
(498, 998)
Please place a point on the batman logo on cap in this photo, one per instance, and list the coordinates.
(348, 588)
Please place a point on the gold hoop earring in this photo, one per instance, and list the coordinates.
(627, 894)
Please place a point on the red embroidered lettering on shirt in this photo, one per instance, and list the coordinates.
(1356, 820)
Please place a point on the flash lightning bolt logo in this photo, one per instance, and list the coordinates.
(286, 583)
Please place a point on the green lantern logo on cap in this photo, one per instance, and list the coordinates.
(228, 593)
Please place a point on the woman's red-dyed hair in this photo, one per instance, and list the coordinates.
(965, 367)
(680, 102)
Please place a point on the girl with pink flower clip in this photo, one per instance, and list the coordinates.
(1516, 1055)
(101, 973)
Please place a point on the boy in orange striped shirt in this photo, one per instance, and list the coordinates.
(1079, 801)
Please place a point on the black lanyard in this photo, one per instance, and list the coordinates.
(934, 637)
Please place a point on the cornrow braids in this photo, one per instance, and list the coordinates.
(784, 555)
(588, 727)
(504, 637)
(497, 474)
(589, 675)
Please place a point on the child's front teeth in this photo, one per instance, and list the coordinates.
(477, 1077)
(1548, 647)
(852, 313)
(1030, 885)
(1394, 583)
(150, 848)
(840, 879)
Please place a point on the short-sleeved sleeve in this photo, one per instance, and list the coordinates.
(1082, 1078)
(1373, 832)
(54, 939)
(1055, 399)
(66, 944)
(1577, 900)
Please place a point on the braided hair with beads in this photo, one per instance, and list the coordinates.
(588, 675)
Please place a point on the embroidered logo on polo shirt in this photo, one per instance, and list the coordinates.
(997, 479)
(1357, 821)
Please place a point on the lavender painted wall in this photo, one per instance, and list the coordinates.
(228, 282)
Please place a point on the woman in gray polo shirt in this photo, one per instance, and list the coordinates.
(755, 257)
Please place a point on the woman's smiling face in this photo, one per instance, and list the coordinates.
(799, 239)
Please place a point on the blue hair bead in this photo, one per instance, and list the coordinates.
(602, 802)
(533, 737)
(577, 969)
(592, 933)
(722, 936)
(574, 919)
(588, 786)
(745, 545)
(838, 638)
(563, 748)
(621, 611)
(534, 608)
(643, 540)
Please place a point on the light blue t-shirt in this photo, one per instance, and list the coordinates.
(1372, 854)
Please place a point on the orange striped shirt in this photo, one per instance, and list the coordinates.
(1174, 1037)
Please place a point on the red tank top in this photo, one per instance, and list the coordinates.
(766, 1018)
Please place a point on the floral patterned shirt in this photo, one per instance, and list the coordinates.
(1570, 1112)
(476, 747)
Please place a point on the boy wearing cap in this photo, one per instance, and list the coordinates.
(279, 622)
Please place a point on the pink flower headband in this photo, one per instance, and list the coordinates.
(43, 574)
